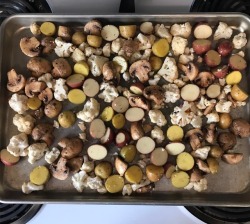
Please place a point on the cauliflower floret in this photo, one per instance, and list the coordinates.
(172, 93)
(227, 89)
(182, 115)
(79, 180)
(78, 55)
(178, 45)
(204, 103)
(223, 106)
(87, 165)
(19, 103)
(24, 123)
(200, 185)
(48, 79)
(126, 76)
(91, 50)
(60, 90)
(240, 40)
(196, 122)
(36, 151)
(106, 50)
(163, 32)
(212, 117)
(102, 190)
(62, 48)
(169, 70)
(56, 124)
(52, 155)
(223, 31)
(202, 153)
(117, 44)
(90, 111)
(29, 187)
(18, 145)
(146, 55)
(127, 190)
(109, 92)
(179, 82)
(144, 42)
(157, 117)
(82, 46)
(157, 134)
(143, 183)
(94, 183)
(182, 30)
(154, 81)
(222, 82)
(96, 63)
(186, 58)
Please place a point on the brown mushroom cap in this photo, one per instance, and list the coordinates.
(155, 93)
(43, 132)
(30, 46)
(16, 82)
(39, 66)
(109, 71)
(140, 69)
(62, 68)
(195, 137)
(49, 44)
(60, 171)
(204, 79)
(46, 95)
(130, 47)
(202, 166)
(64, 32)
(93, 27)
(226, 140)
(191, 70)
(33, 87)
(71, 147)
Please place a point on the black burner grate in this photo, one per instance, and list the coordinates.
(17, 213)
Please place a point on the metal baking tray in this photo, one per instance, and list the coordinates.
(230, 187)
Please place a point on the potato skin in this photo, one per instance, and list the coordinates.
(240, 127)
(227, 140)
(154, 173)
(103, 169)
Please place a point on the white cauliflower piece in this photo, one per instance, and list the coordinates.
(212, 117)
(178, 45)
(240, 104)
(87, 165)
(154, 81)
(96, 63)
(172, 93)
(82, 46)
(239, 40)
(90, 111)
(223, 31)
(186, 58)
(106, 50)
(78, 55)
(204, 103)
(223, 106)
(143, 183)
(222, 82)
(18, 145)
(201, 153)
(79, 180)
(52, 155)
(157, 134)
(48, 79)
(62, 48)
(19, 103)
(94, 183)
(60, 90)
(29, 187)
(200, 185)
(181, 30)
(24, 123)
(241, 53)
(127, 190)
(196, 122)
(227, 89)
(144, 42)
(109, 92)
(157, 117)
(179, 82)
(126, 76)
(102, 190)
(163, 32)
(182, 115)
(91, 50)
(36, 152)
(117, 44)
(169, 70)
(56, 124)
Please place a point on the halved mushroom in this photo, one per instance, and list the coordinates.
(16, 82)
(46, 95)
(60, 171)
(130, 47)
(43, 132)
(195, 175)
(140, 69)
(64, 32)
(139, 101)
(48, 44)
(93, 27)
(202, 166)
(154, 93)
(195, 137)
(109, 71)
(62, 68)
(39, 66)
(210, 133)
(30, 46)
(33, 87)
(204, 79)
(191, 70)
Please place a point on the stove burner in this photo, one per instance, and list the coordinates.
(221, 6)
(17, 213)
(221, 215)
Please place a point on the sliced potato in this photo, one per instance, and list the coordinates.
(109, 32)
(127, 31)
(103, 169)
(34, 103)
(97, 128)
(66, 119)
(175, 148)
(154, 173)
(39, 175)
(161, 47)
(76, 96)
(91, 87)
(7, 158)
(147, 27)
(134, 174)
(238, 94)
(180, 179)
(48, 28)
(120, 104)
(155, 63)
(134, 114)
(118, 121)
(97, 152)
(190, 92)
(81, 67)
(94, 41)
(128, 153)
(175, 133)
(78, 38)
(114, 184)
(185, 161)
(107, 114)
(233, 78)
(213, 91)
(145, 145)
(159, 156)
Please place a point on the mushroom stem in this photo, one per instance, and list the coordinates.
(190, 70)
(210, 133)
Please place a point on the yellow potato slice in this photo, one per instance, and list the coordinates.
(134, 174)
(175, 133)
(107, 114)
(185, 161)
(180, 179)
(76, 96)
(94, 41)
(34, 103)
(233, 78)
(160, 48)
(238, 94)
(48, 28)
(114, 184)
(81, 67)
(39, 175)
(118, 121)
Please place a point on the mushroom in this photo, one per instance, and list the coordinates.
(39, 66)
(46, 95)
(209, 108)
(240, 127)
(140, 69)
(93, 27)
(130, 47)
(154, 93)
(43, 132)
(72, 147)
(62, 68)
(30, 46)
(195, 175)
(145, 189)
(48, 44)
(60, 171)
(109, 71)
(38, 114)
(210, 133)
(120, 166)
(139, 101)
(226, 140)
(204, 79)
(195, 138)
(16, 82)
(191, 70)
(232, 158)
(33, 87)
(136, 130)
(64, 32)
(75, 164)
(202, 166)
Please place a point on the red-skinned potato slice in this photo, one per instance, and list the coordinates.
(8, 159)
